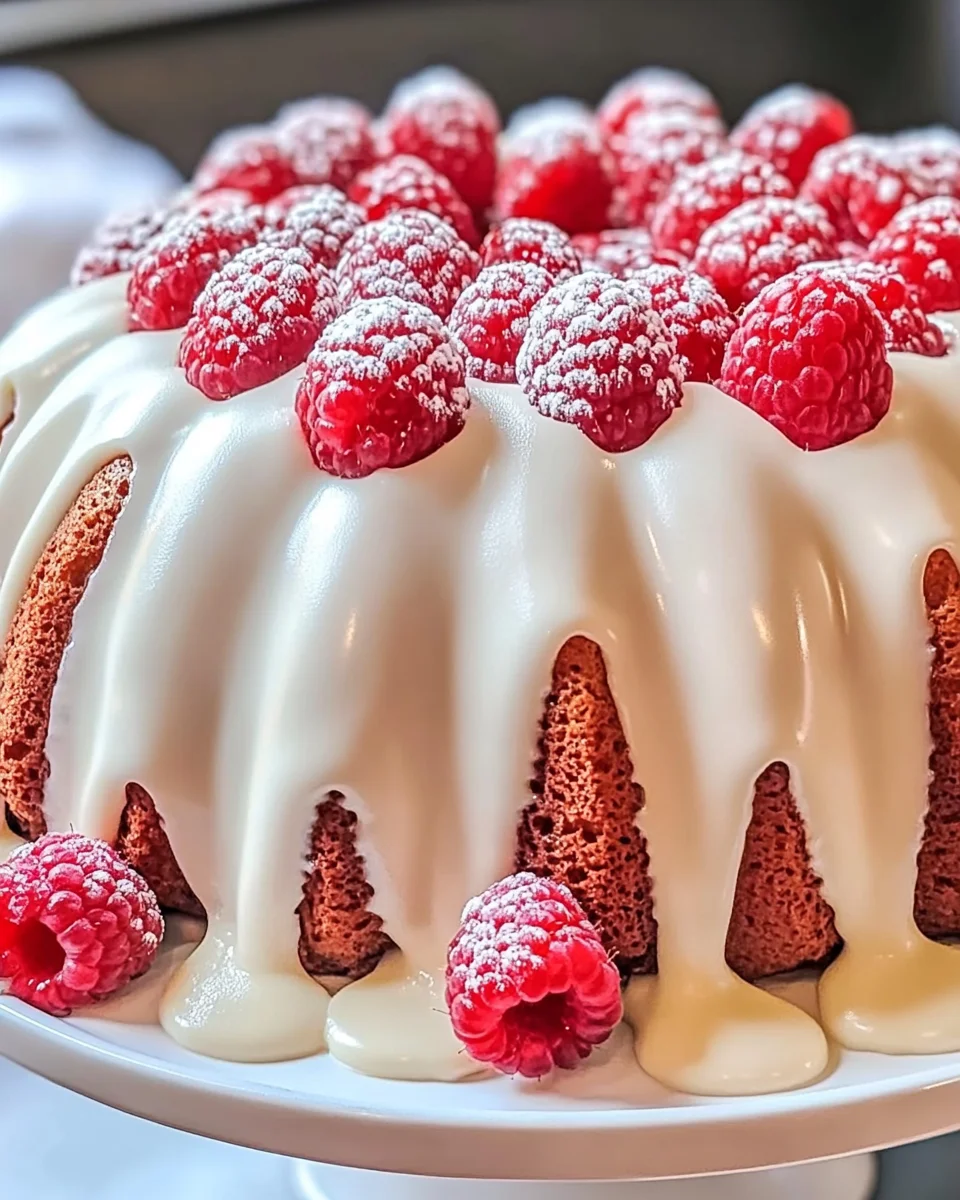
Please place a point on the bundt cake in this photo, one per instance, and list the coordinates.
(710, 682)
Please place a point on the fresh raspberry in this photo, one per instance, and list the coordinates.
(622, 252)
(653, 146)
(694, 312)
(862, 182)
(703, 194)
(490, 319)
(384, 387)
(556, 167)
(906, 326)
(529, 984)
(849, 251)
(761, 240)
(408, 182)
(521, 239)
(328, 139)
(76, 923)
(208, 202)
(922, 243)
(249, 158)
(410, 254)
(934, 153)
(320, 219)
(789, 126)
(598, 356)
(654, 89)
(116, 243)
(174, 266)
(448, 121)
(809, 356)
(256, 319)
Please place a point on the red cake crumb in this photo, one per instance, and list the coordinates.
(789, 126)
(328, 139)
(922, 243)
(491, 317)
(695, 313)
(249, 159)
(654, 89)
(408, 182)
(522, 239)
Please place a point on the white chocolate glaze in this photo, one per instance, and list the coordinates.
(260, 634)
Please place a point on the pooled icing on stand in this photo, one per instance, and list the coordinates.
(391, 638)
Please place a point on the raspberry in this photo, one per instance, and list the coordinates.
(934, 153)
(249, 158)
(116, 244)
(490, 319)
(410, 254)
(652, 148)
(922, 243)
(208, 202)
(598, 356)
(556, 167)
(76, 923)
(862, 182)
(761, 240)
(174, 266)
(256, 319)
(445, 119)
(328, 139)
(622, 252)
(529, 984)
(384, 387)
(809, 356)
(520, 239)
(703, 194)
(789, 126)
(654, 89)
(851, 251)
(320, 219)
(407, 182)
(694, 312)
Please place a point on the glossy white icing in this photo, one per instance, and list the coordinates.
(259, 634)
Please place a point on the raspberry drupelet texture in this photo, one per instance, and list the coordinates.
(410, 254)
(694, 312)
(529, 984)
(922, 243)
(622, 252)
(491, 317)
(597, 356)
(327, 139)
(906, 326)
(654, 89)
(384, 387)
(705, 193)
(174, 266)
(320, 219)
(76, 923)
(809, 355)
(761, 240)
(116, 243)
(249, 158)
(408, 182)
(522, 239)
(256, 319)
(447, 120)
(790, 126)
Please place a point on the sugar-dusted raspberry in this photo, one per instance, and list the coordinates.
(328, 139)
(597, 355)
(934, 154)
(529, 984)
(694, 312)
(790, 125)
(250, 159)
(408, 182)
(652, 147)
(759, 241)
(619, 252)
(447, 120)
(257, 318)
(410, 254)
(190, 201)
(848, 251)
(320, 219)
(703, 194)
(809, 355)
(490, 319)
(115, 244)
(906, 326)
(862, 182)
(653, 89)
(174, 266)
(76, 923)
(922, 243)
(556, 167)
(522, 239)
(384, 387)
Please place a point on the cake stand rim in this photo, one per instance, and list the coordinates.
(742, 1134)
